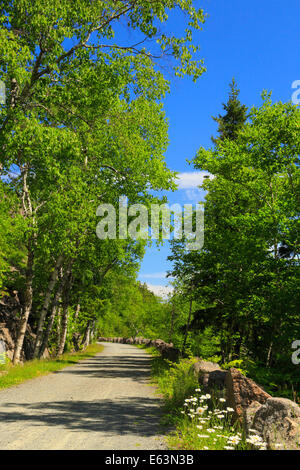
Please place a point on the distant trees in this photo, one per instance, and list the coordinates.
(131, 309)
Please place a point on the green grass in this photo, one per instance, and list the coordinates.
(13, 375)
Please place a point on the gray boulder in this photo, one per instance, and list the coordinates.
(277, 422)
(209, 375)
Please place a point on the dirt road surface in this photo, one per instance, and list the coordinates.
(105, 402)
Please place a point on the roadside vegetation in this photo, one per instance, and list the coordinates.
(195, 420)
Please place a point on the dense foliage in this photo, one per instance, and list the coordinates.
(82, 124)
(245, 282)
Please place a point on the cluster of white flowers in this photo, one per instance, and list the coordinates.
(256, 440)
(215, 423)
(234, 440)
(211, 421)
(231, 441)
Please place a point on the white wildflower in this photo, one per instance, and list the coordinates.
(233, 440)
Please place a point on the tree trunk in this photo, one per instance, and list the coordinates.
(28, 214)
(65, 312)
(27, 304)
(58, 325)
(86, 338)
(237, 347)
(52, 282)
(55, 303)
(172, 324)
(64, 329)
(76, 335)
(93, 331)
(187, 328)
(44, 344)
(269, 354)
(77, 312)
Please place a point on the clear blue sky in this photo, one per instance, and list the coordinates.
(258, 43)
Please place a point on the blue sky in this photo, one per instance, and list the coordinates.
(258, 43)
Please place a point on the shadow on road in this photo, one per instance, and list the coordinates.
(133, 367)
(121, 415)
(131, 415)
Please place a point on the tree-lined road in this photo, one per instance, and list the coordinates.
(105, 402)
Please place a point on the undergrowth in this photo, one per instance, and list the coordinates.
(199, 421)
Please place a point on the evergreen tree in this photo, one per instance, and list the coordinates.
(236, 115)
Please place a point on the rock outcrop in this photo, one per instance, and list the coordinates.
(168, 351)
(210, 375)
(242, 391)
(277, 422)
(10, 308)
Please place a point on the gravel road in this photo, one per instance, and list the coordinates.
(101, 403)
